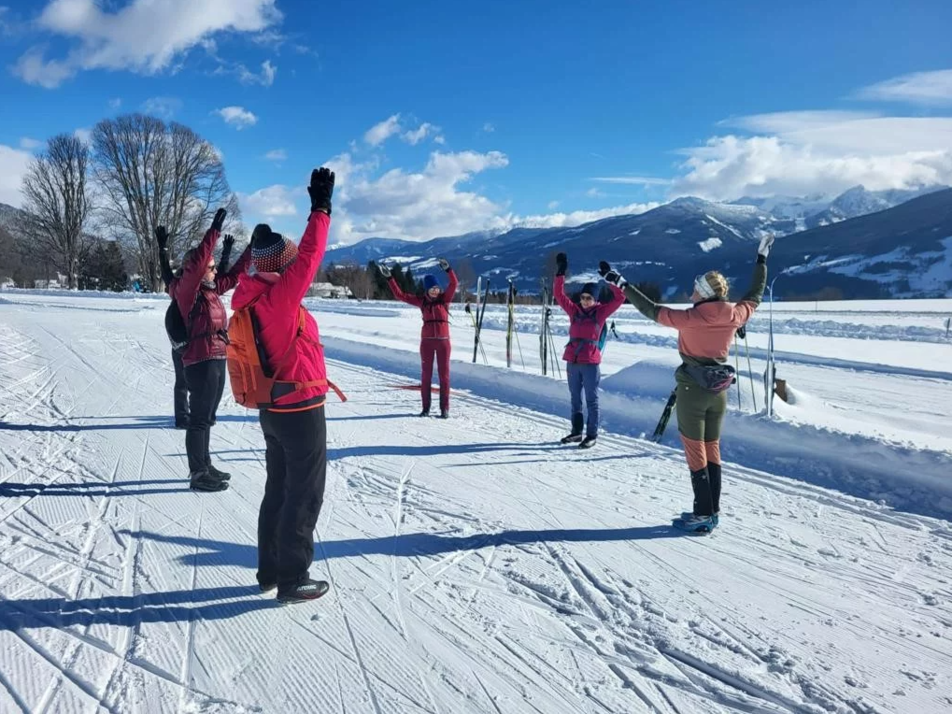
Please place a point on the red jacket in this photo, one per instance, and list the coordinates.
(585, 325)
(277, 300)
(436, 315)
(209, 323)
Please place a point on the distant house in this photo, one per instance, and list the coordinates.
(7, 283)
(330, 291)
(59, 283)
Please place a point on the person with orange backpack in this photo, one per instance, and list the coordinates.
(276, 365)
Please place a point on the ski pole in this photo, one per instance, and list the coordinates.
(737, 370)
(750, 372)
(519, 347)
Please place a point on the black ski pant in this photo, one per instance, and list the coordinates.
(296, 458)
(206, 384)
(180, 390)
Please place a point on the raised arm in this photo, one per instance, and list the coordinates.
(751, 301)
(297, 279)
(194, 268)
(402, 296)
(558, 285)
(227, 244)
(454, 281)
(608, 309)
(162, 238)
(229, 280)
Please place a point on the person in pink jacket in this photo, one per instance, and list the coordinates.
(435, 337)
(294, 427)
(582, 352)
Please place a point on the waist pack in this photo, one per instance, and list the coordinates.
(713, 379)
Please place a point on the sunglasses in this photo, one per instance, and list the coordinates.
(211, 267)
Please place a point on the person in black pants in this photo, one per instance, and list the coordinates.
(180, 390)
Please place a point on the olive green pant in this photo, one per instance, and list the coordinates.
(700, 412)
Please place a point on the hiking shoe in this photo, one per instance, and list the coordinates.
(204, 481)
(572, 439)
(444, 413)
(424, 413)
(695, 524)
(304, 592)
(267, 587)
(221, 475)
(588, 442)
(686, 515)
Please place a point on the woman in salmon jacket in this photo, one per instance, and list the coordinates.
(435, 337)
(583, 354)
(705, 332)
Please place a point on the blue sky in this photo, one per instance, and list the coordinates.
(442, 117)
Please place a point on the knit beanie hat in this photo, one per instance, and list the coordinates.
(703, 287)
(590, 289)
(271, 252)
(429, 282)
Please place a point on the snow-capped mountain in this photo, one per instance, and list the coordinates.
(674, 242)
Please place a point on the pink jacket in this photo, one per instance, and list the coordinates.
(707, 329)
(277, 302)
(586, 325)
(436, 316)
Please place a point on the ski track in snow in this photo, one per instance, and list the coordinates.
(476, 566)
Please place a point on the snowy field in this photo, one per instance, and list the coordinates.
(476, 565)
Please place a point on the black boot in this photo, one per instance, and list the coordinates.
(444, 413)
(714, 471)
(424, 413)
(588, 442)
(578, 423)
(701, 483)
(204, 481)
(220, 475)
(303, 592)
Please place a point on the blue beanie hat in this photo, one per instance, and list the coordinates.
(590, 289)
(429, 282)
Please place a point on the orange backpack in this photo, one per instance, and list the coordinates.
(251, 384)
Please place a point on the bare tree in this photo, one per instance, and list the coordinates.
(152, 173)
(55, 203)
(355, 278)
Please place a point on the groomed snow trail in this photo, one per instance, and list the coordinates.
(476, 566)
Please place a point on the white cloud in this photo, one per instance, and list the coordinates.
(632, 180)
(276, 155)
(162, 107)
(265, 78)
(271, 202)
(594, 193)
(917, 88)
(143, 36)
(577, 218)
(238, 117)
(489, 128)
(84, 135)
(379, 133)
(553, 205)
(115, 103)
(415, 136)
(28, 144)
(13, 167)
(414, 206)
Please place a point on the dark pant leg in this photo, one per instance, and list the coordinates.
(575, 377)
(692, 405)
(591, 376)
(714, 420)
(270, 511)
(303, 439)
(443, 349)
(180, 390)
(216, 373)
(202, 389)
(427, 355)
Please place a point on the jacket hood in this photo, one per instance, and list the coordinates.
(250, 288)
(716, 312)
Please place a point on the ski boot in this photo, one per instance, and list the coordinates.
(444, 413)
(588, 442)
(578, 421)
(305, 591)
(424, 413)
(687, 515)
(220, 475)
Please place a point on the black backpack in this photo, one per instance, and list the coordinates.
(175, 325)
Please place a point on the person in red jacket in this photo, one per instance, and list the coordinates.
(197, 293)
(435, 337)
(582, 352)
(294, 426)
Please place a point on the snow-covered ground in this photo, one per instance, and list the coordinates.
(477, 566)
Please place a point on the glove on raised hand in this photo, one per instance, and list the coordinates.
(611, 276)
(766, 243)
(162, 237)
(561, 263)
(384, 271)
(321, 190)
(444, 264)
(219, 220)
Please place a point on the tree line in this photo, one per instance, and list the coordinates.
(91, 208)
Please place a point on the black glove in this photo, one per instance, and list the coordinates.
(444, 264)
(228, 242)
(321, 190)
(384, 271)
(742, 332)
(219, 220)
(561, 263)
(162, 237)
(611, 276)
